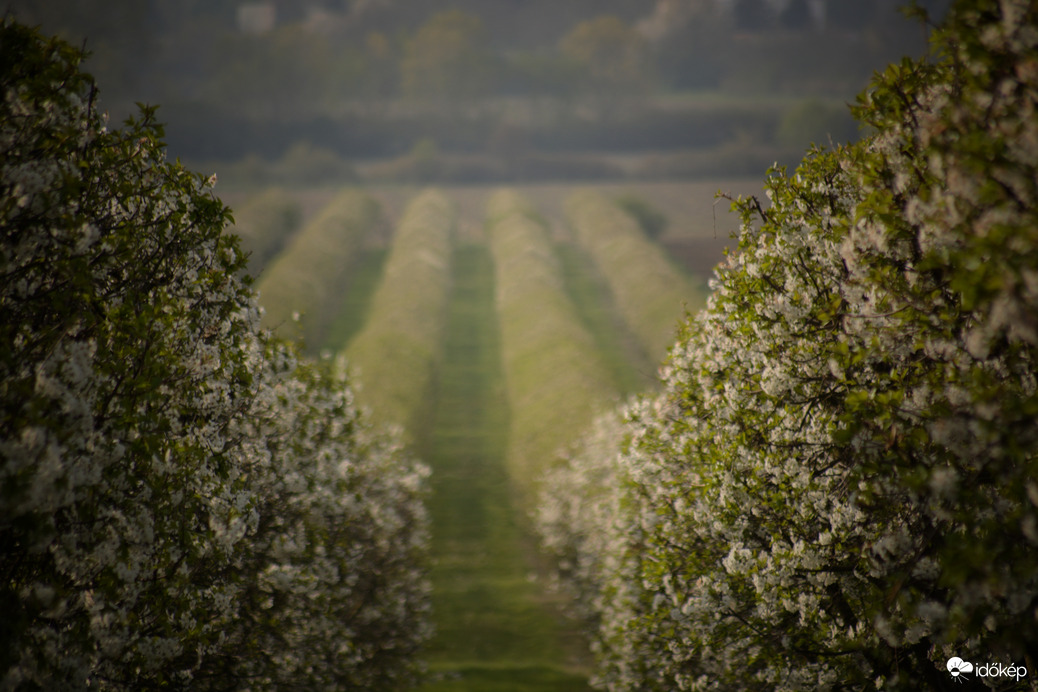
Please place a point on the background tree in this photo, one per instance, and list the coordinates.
(447, 57)
(796, 15)
(610, 51)
(752, 15)
(850, 14)
(381, 66)
(687, 42)
(120, 36)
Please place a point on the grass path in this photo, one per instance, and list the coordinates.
(496, 630)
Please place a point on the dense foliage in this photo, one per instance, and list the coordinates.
(836, 488)
(182, 499)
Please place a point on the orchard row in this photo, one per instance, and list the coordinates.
(556, 376)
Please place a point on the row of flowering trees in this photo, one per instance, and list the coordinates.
(553, 374)
(396, 352)
(183, 501)
(648, 289)
(301, 288)
(837, 487)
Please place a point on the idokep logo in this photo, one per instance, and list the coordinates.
(960, 669)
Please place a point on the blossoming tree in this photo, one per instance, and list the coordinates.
(837, 487)
(182, 500)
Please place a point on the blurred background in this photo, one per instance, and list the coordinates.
(486, 91)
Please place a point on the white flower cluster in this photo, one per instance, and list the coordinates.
(183, 502)
(836, 487)
(332, 592)
(588, 525)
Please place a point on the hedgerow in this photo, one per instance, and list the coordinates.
(836, 488)
(555, 380)
(649, 291)
(184, 503)
(579, 530)
(395, 353)
(332, 591)
(301, 288)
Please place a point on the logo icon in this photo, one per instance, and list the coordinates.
(958, 668)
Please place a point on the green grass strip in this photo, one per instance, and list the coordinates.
(649, 291)
(508, 679)
(394, 355)
(494, 630)
(301, 288)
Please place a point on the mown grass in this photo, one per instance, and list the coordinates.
(508, 679)
(309, 277)
(495, 630)
(650, 292)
